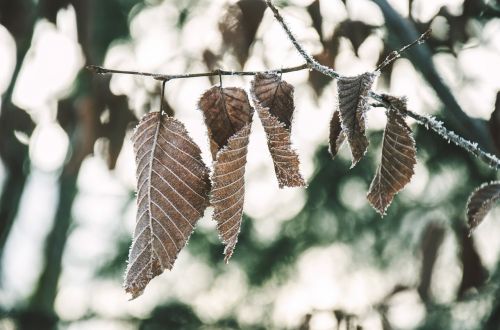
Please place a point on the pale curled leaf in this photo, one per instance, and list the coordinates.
(481, 201)
(337, 135)
(398, 161)
(273, 99)
(172, 194)
(228, 116)
(228, 189)
(353, 103)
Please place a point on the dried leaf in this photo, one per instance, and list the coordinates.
(211, 62)
(172, 195)
(120, 117)
(226, 111)
(228, 189)
(398, 160)
(314, 11)
(481, 201)
(326, 57)
(494, 124)
(228, 116)
(353, 103)
(337, 135)
(317, 80)
(239, 26)
(273, 98)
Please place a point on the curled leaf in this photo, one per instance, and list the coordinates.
(226, 111)
(172, 194)
(353, 103)
(228, 189)
(337, 136)
(273, 98)
(228, 116)
(398, 161)
(481, 201)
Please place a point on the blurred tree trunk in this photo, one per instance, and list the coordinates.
(79, 115)
(19, 18)
(74, 121)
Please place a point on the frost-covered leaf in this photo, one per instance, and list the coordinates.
(226, 111)
(481, 201)
(273, 99)
(398, 161)
(228, 116)
(239, 25)
(337, 136)
(172, 194)
(353, 103)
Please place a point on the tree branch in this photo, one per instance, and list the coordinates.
(404, 32)
(219, 72)
(397, 53)
(429, 122)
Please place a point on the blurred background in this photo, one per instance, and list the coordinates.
(315, 258)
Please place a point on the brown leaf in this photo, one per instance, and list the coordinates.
(481, 201)
(228, 189)
(494, 124)
(353, 103)
(172, 194)
(211, 62)
(314, 11)
(226, 111)
(120, 117)
(273, 98)
(431, 241)
(239, 26)
(326, 57)
(337, 136)
(398, 160)
(317, 80)
(228, 116)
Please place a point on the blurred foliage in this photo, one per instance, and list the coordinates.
(327, 217)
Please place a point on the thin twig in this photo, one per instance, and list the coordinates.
(427, 121)
(435, 125)
(397, 53)
(309, 59)
(218, 72)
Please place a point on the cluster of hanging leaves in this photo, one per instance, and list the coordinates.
(174, 186)
(398, 147)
